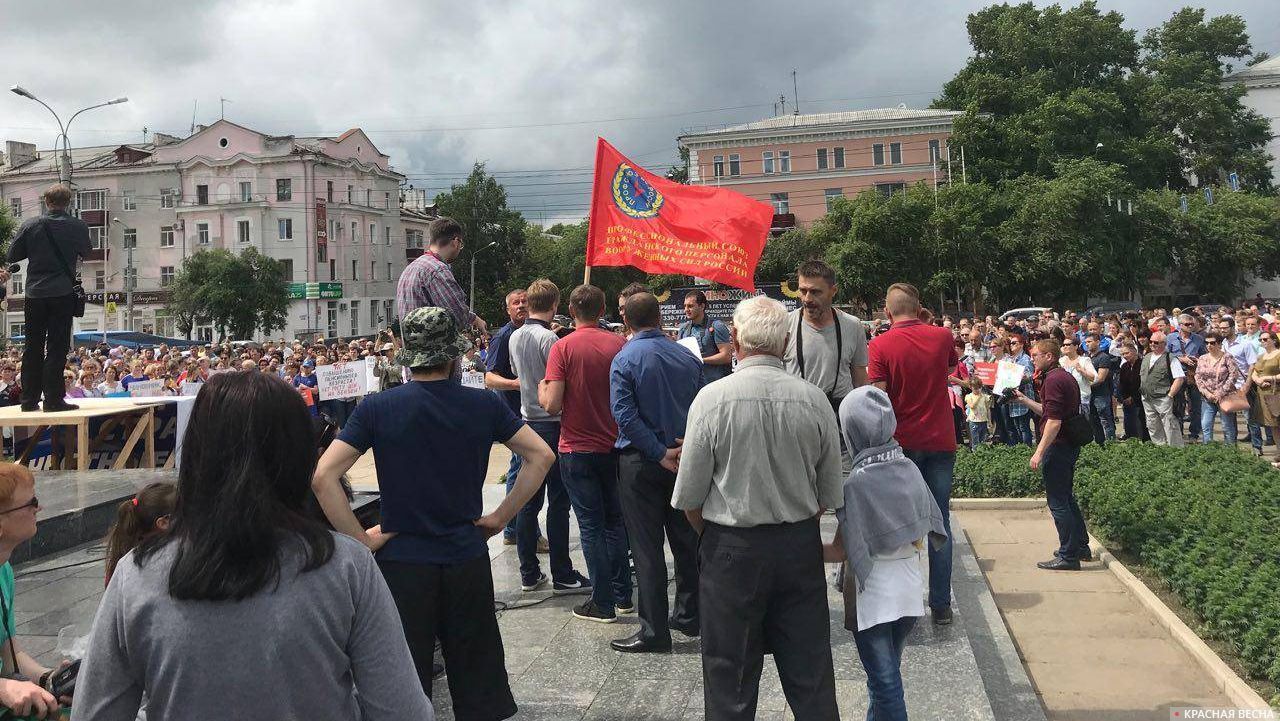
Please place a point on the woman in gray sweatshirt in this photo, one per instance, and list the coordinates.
(248, 607)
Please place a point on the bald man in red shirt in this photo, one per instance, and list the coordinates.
(911, 362)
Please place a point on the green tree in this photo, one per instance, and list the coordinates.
(237, 295)
(480, 205)
(680, 171)
(7, 227)
(783, 254)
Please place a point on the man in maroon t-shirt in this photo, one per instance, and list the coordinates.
(1059, 400)
(576, 385)
(911, 362)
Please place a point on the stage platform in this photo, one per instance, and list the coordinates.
(79, 507)
(139, 412)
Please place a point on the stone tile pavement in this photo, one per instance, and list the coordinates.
(562, 668)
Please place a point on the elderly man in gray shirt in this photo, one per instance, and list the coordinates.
(760, 463)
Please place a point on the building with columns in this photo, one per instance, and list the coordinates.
(328, 208)
(801, 163)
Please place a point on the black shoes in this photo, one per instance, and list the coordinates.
(1085, 556)
(691, 630)
(31, 407)
(625, 609)
(576, 585)
(942, 616)
(55, 406)
(1059, 564)
(635, 644)
(589, 611)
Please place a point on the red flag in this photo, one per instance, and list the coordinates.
(659, 226)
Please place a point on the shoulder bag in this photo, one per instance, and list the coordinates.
(77, 290)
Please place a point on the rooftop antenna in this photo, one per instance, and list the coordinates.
(144, 134)
(193, 117)
(782, 99)
(224, 102)
(795, 94)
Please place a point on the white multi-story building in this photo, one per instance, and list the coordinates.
(328, 208)
(1262, 85)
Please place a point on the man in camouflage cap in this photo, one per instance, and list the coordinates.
(430, 337)
(431, 440)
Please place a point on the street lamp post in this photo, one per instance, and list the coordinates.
(130, 280)
(471, 306)
(64, 170)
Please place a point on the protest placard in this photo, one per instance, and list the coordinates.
(372, 382)
(146, 389)
(986, 373)
(691, 344)
(1008, 375)
(340, 380)
(190, 388)
(473, 379)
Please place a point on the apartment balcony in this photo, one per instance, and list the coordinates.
(96, 255)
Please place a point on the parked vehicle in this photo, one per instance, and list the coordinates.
(1204, 309)
(1119, 306)
(1032, 312)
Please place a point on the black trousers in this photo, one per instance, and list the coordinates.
(644, 490)
(764, 590)
(48, 321)
(454, 603)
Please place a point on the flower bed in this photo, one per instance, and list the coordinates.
(1205, 519)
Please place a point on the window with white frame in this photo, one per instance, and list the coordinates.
(97, 236)
(286, 269)
(166, 275)
(246, 192)
(368, 197)
(202, 195)
(355, 232)
(130, 238)
(284, 189)
(328, 190)
(373, 315)
(822, 158)
(355, 269)
(830, 195)
(99, 280)
(373, 270)
(333, 269)
(387, 233)
(15, 283)
(717, 166)
(735, 164)
(17, 329)
(168, 197)
(784, 161)
(767, 162)
(130, 278)
(91, 200)
(355, 317)
(286, 228)
(331, 319)
(837, 157)
(895, 153)
(242, 231)
(202, 233)
(373, 233)
(351, 189)
(781, 205)
(15, 207)
(389, 270)
(386, 310)
(166, 236)
(386, 201)
(877, 154)
(128, 201)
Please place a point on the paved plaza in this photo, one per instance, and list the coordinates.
(563, 668)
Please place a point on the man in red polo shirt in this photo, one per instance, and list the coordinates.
(911, 362)
(576, 385)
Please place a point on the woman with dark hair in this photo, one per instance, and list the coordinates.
(248, 607)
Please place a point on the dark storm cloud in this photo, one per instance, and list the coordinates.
(420, 77)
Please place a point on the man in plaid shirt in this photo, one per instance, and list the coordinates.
(428, 280)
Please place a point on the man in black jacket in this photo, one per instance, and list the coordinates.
(50, 303)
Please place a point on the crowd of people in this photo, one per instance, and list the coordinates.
(730, 454)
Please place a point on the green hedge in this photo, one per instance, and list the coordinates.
(1206, 519)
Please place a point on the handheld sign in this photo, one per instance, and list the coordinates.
(473, 379)
(146, 389)
(1008, 375)
(986, 373)
(340, 381)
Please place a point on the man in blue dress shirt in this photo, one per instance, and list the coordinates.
(652, 383)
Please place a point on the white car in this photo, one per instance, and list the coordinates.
(1023, 313)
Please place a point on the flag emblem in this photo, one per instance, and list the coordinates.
(633, 195)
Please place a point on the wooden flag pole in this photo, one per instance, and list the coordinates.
(586, 275)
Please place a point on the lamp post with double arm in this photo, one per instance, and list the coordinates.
(64, 169)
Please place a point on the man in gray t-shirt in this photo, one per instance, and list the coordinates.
(825, 346)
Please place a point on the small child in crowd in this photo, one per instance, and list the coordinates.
(139, 518)
(978, 412)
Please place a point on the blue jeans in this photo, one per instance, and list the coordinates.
(880, 650)
(592, 482)
(512, 471)
(938, 469)
(977, 433)
(1209, 411)
(1059, 468)
(557, 518)
(1135, 421)
(1103, 417)
(1019, 430)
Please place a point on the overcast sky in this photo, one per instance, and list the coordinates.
(520, 86)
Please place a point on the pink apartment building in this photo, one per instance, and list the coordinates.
(330, 209)
(801, 163)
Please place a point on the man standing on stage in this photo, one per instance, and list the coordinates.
(652, 383)
(760, 463)
(429, 281)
